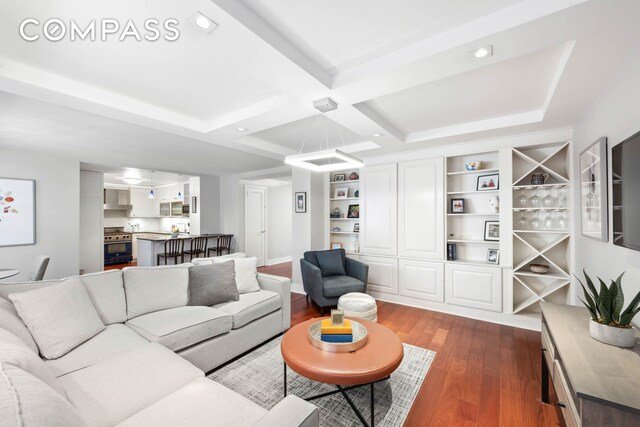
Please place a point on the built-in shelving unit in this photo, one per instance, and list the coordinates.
(342, 230)
(466, 229)
(540, 225)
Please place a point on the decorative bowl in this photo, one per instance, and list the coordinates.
(473, 166)
(539, 268)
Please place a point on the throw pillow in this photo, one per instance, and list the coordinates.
(211, 284)
(247, 275)
(59, 317)
(330, 263)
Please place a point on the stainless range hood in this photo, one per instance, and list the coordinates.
(116, 200)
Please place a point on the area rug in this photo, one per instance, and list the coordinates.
(259, 377)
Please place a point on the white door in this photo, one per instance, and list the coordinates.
(474, 286)
(379, 210)
(421, 209)
(421, 279)
(255, 223)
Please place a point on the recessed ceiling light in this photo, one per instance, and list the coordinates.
(241, 129)
(377, 135)
(483, 52)
(203, 23)
(132, 180)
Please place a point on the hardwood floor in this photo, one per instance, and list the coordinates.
(484, 374)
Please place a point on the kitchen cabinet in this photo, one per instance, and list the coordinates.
(176, 208)
(421, 209)
(164, 209)
(379, 210)
(474, 286)
(421, 279)
(142, 205)
(383, 274)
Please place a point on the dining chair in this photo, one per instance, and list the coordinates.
(224, 244)
(173, 248)
(38, 268)
(198, 247)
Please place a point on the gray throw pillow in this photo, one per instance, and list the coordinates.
(211, 284)
(330, 263)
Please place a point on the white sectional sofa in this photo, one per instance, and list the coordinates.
(146, 367)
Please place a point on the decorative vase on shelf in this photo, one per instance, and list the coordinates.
(353, 176)
(539, 178)
(356, 245)
(494, 204)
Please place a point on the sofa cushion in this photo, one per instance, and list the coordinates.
(14, 351)
(201, 403)
(251, 306)
(116, 339)
(246, 271)
(59, 317)
(10, 320)
(106, 290)
(181, 327)
(13, 288)
(336, 286)
(113, 390)
(212, 284)
(330, 263)
(150, 289)
(27, 401)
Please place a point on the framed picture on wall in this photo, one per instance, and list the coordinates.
(17, 212)
(488, 182)
(339, 177)
(341, 193)
(457, 205)
(493, 256)
(354, 211)
(301, 202)
(492, 231)
(593, 191)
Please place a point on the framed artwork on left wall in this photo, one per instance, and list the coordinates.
(17, 212)
(301, 202)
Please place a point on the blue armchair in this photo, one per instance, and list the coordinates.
(327, 275)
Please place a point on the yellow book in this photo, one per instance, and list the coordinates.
(328, 329)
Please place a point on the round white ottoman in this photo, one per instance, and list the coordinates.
(359, 306)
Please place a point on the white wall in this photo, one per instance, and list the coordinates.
(614, 114)
(279, 214)
(57, 212)
(232, 210)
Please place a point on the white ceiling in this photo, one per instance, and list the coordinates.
(400, 70)
(149, 178)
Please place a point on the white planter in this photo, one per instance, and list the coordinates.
(620, 337)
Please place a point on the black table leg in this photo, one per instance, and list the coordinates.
(372, 411)
(285, 379)
(545, 377)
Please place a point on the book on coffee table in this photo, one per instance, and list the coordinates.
(337, 338)
(329, 329)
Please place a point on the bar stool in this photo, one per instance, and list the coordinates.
(224, 244)
(198, 247)
(173, 248)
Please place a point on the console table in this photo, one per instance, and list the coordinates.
(596, 384)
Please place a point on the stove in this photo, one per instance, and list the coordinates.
(118, 246)
(116, 234)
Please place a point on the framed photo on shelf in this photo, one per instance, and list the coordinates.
(336, 245)
(17, 212)
(493, 256)
(341, 193)
(457, 205)
(492, 231)
(593, 191)
(301, 202)
(339, 177)
(488, 182)
(356, 227)
(354, 211)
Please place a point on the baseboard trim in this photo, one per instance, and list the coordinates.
(279, 260)
(297, 288)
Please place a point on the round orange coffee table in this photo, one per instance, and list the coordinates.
(374, 362)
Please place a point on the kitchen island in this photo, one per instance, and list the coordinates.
(150, 246)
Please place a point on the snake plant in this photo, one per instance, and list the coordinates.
(606, 306)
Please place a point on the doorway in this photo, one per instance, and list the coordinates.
(255, 223)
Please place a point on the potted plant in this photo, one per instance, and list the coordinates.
(610, 323)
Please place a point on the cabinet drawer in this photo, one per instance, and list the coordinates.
(474, 286)
(549, 349)
(565, 397)
(383, 274)
(421, 279)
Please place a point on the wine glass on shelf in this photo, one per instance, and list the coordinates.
(523, 223)
(548, 222)
(534, 201)
(562, 198)
(547, 201)
(561, 221)
(522, 200)
(534, 223)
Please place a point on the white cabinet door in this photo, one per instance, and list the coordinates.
(383, 274)
(421, 279)
(379, 210)
(421, 209)
(141, 203)
(474, 286)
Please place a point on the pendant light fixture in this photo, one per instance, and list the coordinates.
(179, 191)
(329, 159)
(152, 195)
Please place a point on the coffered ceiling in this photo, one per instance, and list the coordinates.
(240, 98)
